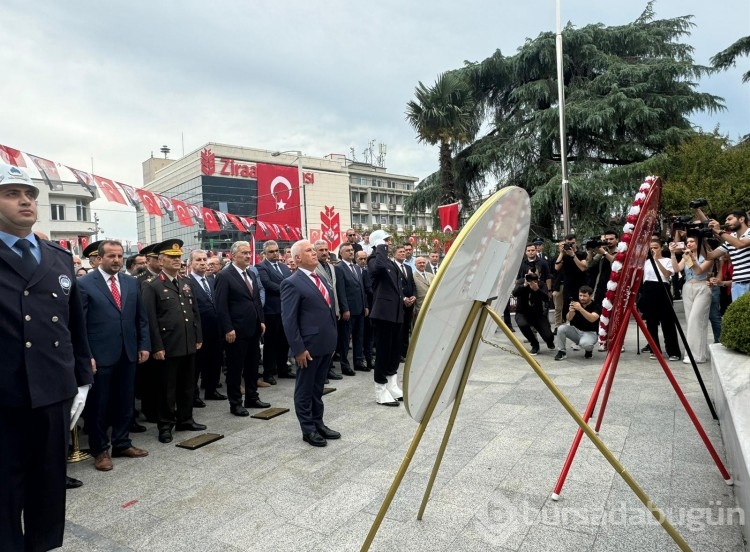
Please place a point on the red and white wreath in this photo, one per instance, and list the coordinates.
(622, 248)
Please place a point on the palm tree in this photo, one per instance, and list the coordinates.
(444, 114)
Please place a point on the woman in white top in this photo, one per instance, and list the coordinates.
(696, 297)
(655, 302)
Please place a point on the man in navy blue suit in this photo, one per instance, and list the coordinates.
(241, 321)
(46, 371)
(309, 315)
(353, 307)
(118, 335)
(208, 358)
(275, 347)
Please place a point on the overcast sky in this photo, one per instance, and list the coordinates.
(114, 81)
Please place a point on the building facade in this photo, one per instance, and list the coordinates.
(322, 197)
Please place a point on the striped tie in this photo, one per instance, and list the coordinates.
(321, 288)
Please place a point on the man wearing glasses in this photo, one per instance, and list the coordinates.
(351, 237)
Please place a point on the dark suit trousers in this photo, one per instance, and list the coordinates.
(110, 401)
(351, 329)
(242, 363)
(367, 338)
(275, 347)
(539, 322)
(388, 345)
(308, 392)
(147, 388)
(406, 330)
(176, 392)
(208, 365)
(32, 476)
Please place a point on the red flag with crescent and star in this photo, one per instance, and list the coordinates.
(278, 194)
(183, 214)
(234, 219)
(150, 203)
(209, 220)
(12, 156)
(448, 217)
(109, 190)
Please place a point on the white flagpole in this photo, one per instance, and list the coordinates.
(563, 140)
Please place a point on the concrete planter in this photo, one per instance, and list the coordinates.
(731, 384)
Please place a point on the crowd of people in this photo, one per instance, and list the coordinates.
(704, 263)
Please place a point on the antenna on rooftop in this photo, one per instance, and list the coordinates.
(165, 150)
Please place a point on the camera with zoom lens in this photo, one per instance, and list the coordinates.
(595, 243)
(567, 246)
(532, 277)
(698, 203)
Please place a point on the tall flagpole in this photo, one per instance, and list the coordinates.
(563, 140)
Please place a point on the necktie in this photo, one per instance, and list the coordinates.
(205, 287)
(354, 270)
(434, 269)
(278, 268)
(28, 261)
(321, 288)
(248, 283)
(424, 276)
(403, 269)
(115, 291)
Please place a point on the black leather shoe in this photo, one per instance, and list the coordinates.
(270, 379)
(315, 439)
(72, 482)
(214, 396)
(348, 372)
(135, 427)
(257, 403)
(334, 376)
(288, 375)
(239, 411)
(190, 426)
(198, 403)
(361, 368)
(328, 433)
(165, 436)
(326, 381)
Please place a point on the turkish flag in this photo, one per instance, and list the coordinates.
(84, 240)
(209, 220)
(165, 204)
(109, 190)
(278, 194)
(131, 194)
(237, 222)
(12, 156)
(183, 214)
(264, 231)
(150, 203)
(63, 243)
(85, 180)
(448, 217)
(48, 171)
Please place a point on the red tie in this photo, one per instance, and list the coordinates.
(115, 292)
(321, 288)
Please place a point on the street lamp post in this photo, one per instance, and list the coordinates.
(303, 196)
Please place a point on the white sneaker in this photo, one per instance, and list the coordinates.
(575, 347)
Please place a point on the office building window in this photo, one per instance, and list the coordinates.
(57, 211)
(82, 210)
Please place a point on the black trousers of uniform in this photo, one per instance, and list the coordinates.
(177, 381)
(208, 365)
(406, 330)
(352, 329)
(147, 384)
(275, 347)
(388, 344)
(367, 340)
(308, 393)
(657, 309)
(32, 476)
(242, 363)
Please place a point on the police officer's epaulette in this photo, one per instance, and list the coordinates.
(57, 246)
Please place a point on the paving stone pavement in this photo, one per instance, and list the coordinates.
(263, 488)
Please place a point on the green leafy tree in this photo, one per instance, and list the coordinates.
(728, 58)
(629, 91)
(706, 166)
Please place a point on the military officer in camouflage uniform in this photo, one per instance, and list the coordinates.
(176, 335)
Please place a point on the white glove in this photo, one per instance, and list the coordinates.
(377, 243)
(78, 403)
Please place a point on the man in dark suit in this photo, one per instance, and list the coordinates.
(241, 321)
(367, 337)
(209, 356)
(307, 310)
(387, 315)
(275, 347)
(325, 270)
(410, 296)
(175, 326)
(46, 371)
(353, 306)
(118, 335)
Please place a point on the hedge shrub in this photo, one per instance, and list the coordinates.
(735, 326)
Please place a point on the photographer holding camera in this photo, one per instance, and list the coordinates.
(601, 254)
(572, 266)
(735, 241)
(531, 310)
